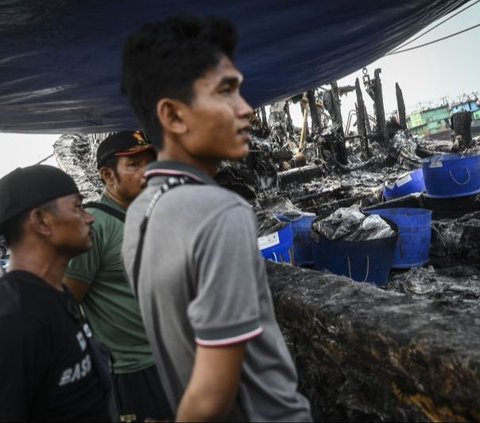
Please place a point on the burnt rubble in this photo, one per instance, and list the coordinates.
(406, 352)
(365, 354)
(75, 155)
(398, 353)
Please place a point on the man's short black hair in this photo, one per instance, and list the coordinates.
(111, 163)
(164, 59)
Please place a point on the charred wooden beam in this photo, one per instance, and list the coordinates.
(337, 112)
(263, 115)
(312, 104)
(326, 208)
(303, 135)
(281, 155)
(361, 128)
(321, 196)
(339, 143)
(367, 122)
(346, 89)
(341, 151)
(401, 107)
(461, 125)
(379, 107)
(364, 354)
(300, 174)
(289, 117)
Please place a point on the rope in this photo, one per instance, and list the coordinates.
(440, 237)
(51, 155)
(432, 42)
(436, 26)
(460, 183)
(350, 268)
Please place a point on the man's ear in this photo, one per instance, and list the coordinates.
(39, 220)
(107, 174)
(170, 114)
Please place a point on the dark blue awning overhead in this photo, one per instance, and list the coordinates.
(60, 59)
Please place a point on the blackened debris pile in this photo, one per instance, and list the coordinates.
(269, 223)
(365, 354)
(456, 287)
(350, 224)
(76, 155)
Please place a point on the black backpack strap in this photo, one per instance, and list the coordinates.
(107, 209)
(170, 183)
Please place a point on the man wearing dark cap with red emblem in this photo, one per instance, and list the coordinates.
(50, 367)
(97, 280)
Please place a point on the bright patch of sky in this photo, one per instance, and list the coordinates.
(20, 150)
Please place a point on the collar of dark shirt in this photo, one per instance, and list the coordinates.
(170, 168)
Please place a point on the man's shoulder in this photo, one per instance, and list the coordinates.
(18, 283)
(21, 301)
(108, 218)
(190, 198)
(210, 197)
(104, 209)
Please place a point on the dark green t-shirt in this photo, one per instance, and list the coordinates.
(110, 305)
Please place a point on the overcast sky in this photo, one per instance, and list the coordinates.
(448, 68)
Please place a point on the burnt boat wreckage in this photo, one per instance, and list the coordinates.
(409, 351)
(406, 352)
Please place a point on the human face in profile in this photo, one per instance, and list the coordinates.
(217, 117)
(70, 225)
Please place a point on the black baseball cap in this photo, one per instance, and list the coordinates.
(124, 143)
(29, 187)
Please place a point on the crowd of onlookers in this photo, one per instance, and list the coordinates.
(152, 303)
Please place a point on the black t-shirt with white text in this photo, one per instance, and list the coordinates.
(46, 366)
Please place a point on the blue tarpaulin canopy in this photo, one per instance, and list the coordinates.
(60, 59)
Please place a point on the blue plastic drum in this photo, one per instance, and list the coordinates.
(413, 244)
(406, 184)
(451, 175)
(278, 246)
(362, 261)
(302, 238)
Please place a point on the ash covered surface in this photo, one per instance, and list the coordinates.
(456, 287)
(366, 354)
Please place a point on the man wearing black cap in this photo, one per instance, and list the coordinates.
(49, 367)
(97, 280)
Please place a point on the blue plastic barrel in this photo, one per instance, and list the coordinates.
(362, 261)
(278, 246)
(406, 184)
(413, 244)
(451, 175)
(302, 238)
